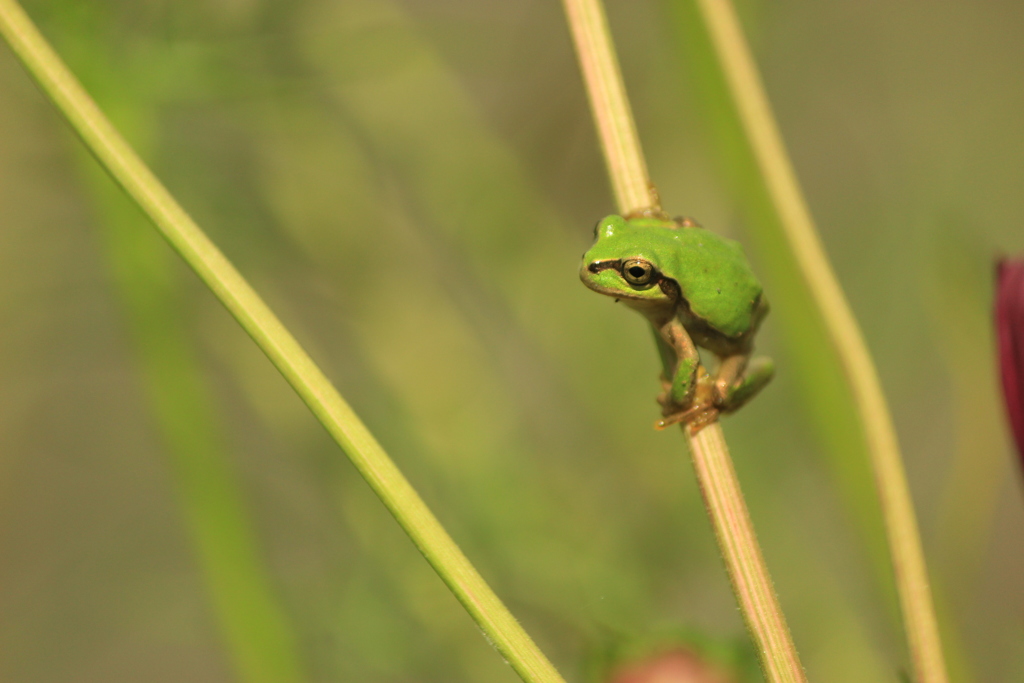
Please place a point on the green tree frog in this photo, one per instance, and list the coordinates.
(696, 289)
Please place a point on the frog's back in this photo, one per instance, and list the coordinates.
(716, 280)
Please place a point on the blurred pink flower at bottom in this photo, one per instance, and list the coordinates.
(677, 666)
(1010, 337)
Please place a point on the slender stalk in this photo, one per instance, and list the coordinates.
(897, 508)
(744, 563)
(712, 463)
(616, 130)
(497, 623)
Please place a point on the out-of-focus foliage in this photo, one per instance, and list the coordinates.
(671, 655)
(1009, 315)
(410, 184)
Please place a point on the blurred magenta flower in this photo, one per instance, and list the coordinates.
(1010, 334)
(674, 666)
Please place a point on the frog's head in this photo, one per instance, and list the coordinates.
(626, 261)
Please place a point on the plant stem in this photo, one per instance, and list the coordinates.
(497, 623)
(712, 463)
(747, 570)
(616, 130)
(897, 508)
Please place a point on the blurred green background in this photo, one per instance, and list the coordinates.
(410, 184)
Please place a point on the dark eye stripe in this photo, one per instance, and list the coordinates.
(598, 266)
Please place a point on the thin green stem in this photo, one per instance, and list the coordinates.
(897, 508)
(712, 463)
(281, 348)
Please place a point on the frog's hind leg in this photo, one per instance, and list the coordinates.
(737, 381)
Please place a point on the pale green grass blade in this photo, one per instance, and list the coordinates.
(798, 228)
(812, 358)
(261, 642)
(283, 350)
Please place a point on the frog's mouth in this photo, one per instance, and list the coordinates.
(606, 278)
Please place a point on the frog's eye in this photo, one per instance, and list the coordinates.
(637, 272)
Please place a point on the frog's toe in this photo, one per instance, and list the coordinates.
(702, 420)
(758, 373)
(695, 417)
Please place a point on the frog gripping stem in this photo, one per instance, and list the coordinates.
(695, 288)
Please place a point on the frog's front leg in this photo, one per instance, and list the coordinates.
(686, 388)
(736, 381)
